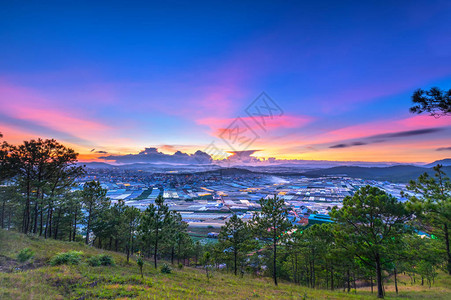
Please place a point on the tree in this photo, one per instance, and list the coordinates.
(9, 208)
(60, 174)
(109, 225)
(270, 224)
(74, 207)
(6, 192)
(140, 263)
(95, 201)
(132, 216)
(370, 223)
(433, 205)
(206, 260)
(198, 250)
(435, 101)
(40, 174)
(422, 257)
(185, 246)
(235, 237)
(24, 159)
(5, 163)
(316, 241)
(154, 223)
(175, 235)
(42, 168)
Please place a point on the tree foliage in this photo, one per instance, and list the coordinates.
(432, 205)
(270, 224)
(371, 224)
(96, 204)
(236, 241)
(435, 102)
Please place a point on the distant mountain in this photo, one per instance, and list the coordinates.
(399, 173)
(443, 162)
(225, 172)
(402, 173)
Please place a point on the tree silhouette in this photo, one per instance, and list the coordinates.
(436, 102)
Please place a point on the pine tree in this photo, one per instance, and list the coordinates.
(270, 224)
(235, 237)
(95, 201)
(132, 217)
(433, 206)
(370, 223)
(154, 225)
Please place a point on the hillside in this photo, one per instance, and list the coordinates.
(401, 173)
(39, 280)
(443, 162)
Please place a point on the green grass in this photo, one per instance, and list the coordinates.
(39, 280)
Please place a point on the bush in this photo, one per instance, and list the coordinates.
(94, 261)
(66, 258)
(165, 269)
(101, 260)
(106, 260)
(25, 254)
(180, 266)
(140, 263)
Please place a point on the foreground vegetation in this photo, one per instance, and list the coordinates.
(36, 278)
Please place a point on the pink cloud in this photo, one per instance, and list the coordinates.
(25, 104)
(381, 127)
(14, 135)
(424, 121)
(302, 143)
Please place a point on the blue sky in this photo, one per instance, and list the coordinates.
(121, 76)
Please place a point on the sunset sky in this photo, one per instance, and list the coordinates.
(116, 77)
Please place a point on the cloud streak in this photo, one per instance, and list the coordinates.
(348, 145)
(379, 138)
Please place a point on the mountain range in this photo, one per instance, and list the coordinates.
(396, 173)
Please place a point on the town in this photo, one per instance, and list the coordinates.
(206, 200)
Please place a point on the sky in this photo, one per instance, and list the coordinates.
(117, 77)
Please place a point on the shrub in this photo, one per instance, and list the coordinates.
(66, 258)
(180, 266)
(140, 263)
(165, 269)
(101, 260)
(106, 260)
(25, 254)
(94, 261)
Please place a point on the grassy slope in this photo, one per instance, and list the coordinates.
(38, 280)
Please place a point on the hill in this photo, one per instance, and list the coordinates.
(443, 162)
(39, 280)
(233, 171)
(401, 173)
